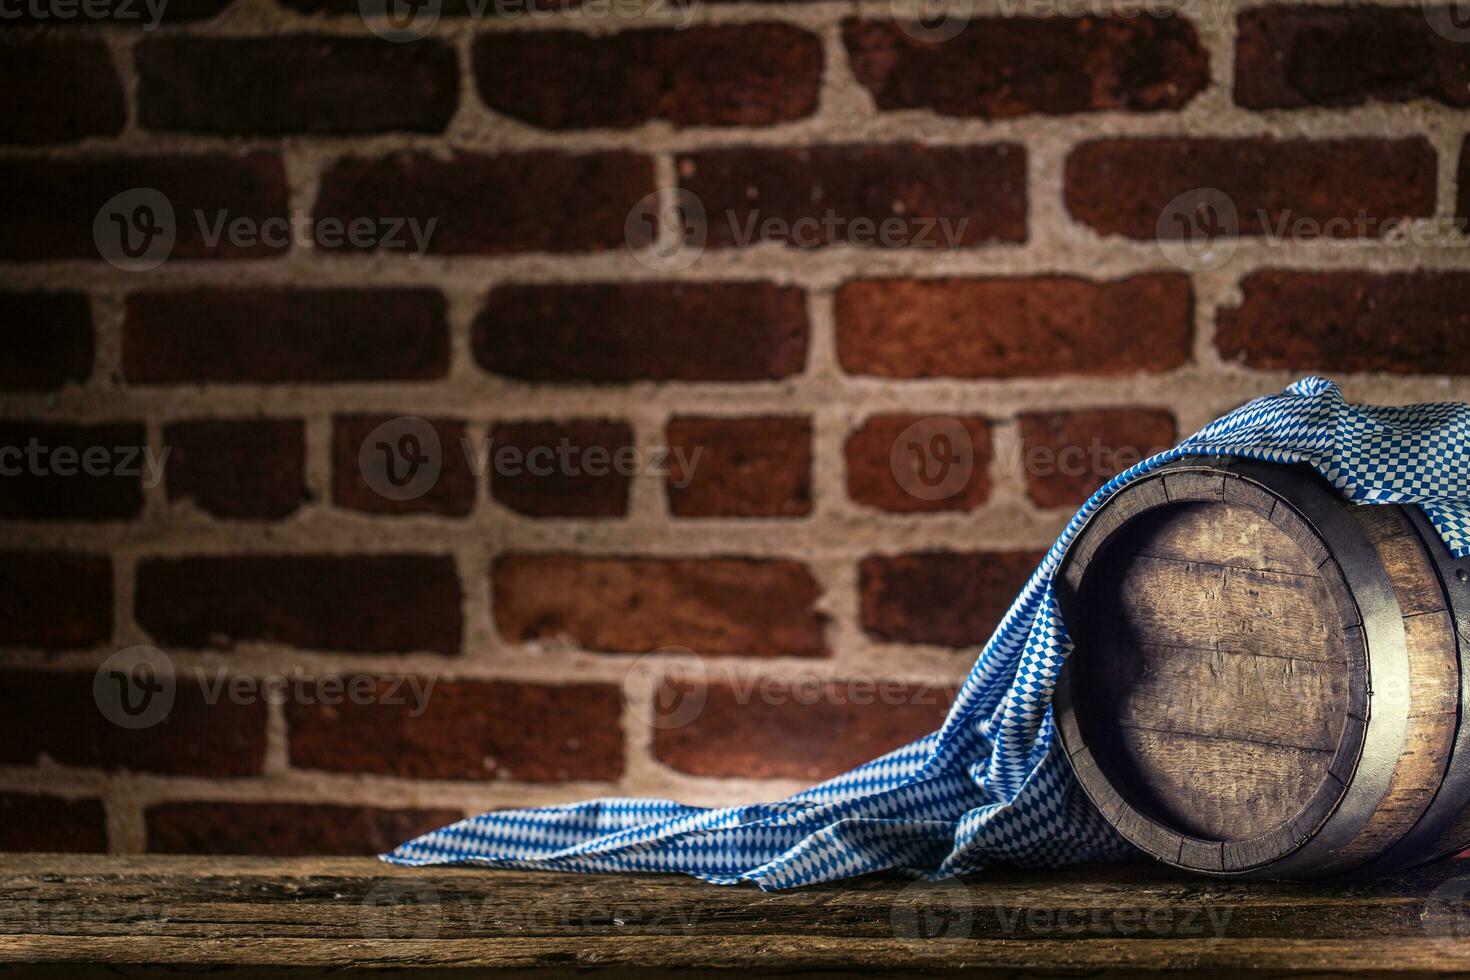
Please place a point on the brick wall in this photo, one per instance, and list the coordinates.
(706, 286)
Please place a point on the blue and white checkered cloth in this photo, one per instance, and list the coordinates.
(988, 786)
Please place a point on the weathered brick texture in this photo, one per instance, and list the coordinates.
(451, 492)
(948, 598)
(1068, 455)
(941, 198)
(1288, 57)
(366, 603)
(909, 463)
(1345, 188)
(643, 331)
(74, 91)
(998, 67)
(46, 339)
(47, 823)
(580, 468)
(810, 729)
(746, 75)
(285, 829)
(494, 204)
(55, 599)
(746, 467)
(1402, 323)
(1006, 328)
(295, 84)
(713, 606)
(238, 468)
(465, 730)
(64, 472)
(272, 336)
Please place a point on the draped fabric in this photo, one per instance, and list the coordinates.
(991, 784)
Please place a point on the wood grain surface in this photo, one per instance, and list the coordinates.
(72, 915)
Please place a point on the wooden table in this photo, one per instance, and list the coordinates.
(71, 915)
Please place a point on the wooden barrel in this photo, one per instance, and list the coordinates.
(1266, 679)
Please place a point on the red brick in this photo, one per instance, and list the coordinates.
(369, 603)
(72, 91)
(1068, 455)
(1000, 67)
(1399, 323)
(740, 467)
(1122, 187)
(52, 483)
(535, 733)
(206, 732)
(285, 829)
(742, 75)
(713, 606)
(1289, 57)
(803, 730)
(452, 492)
(910, 195)
(50, 204)
(282, 335)
(542, 201)
(1009, 328)
(48, 823)
(643, 332)
(531, 474)
(946, 598)
(246, 468)
(918, 463)
(45, 340)
(50, 599)
(301, 83)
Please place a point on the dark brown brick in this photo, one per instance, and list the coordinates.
(45, 340)
(1291, 57)
(245, 468)
(541, 201)
(713, 606)
(49, 823)
(910, 195)
(50, 599)
(535, 733)
(643, 332)
(1010, 328)
(917, 463)
(61, 471)
(285, 829)
(368, 603)
(301, 83)
(578, 468)
(999, 67)
(1066, 456)
(1463, 182)
(740, 467)
(1122, 187)
(72, 91)
(1399, 323)
(50, 205)
(947, 598)
(740, 75)
(282, 335)
(451, 492)
(205, 732)
(806, 730)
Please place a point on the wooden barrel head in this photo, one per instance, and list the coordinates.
(1215, 703)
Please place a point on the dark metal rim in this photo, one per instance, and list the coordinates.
(1371, 744)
